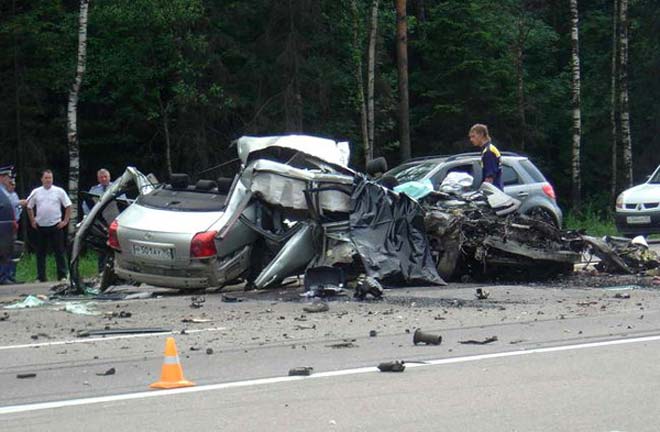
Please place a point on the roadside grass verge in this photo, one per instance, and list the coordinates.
(26, 270)
(596, 222)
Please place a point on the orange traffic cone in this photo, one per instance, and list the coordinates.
(171, 375)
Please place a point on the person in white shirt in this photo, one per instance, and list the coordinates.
(44, 206)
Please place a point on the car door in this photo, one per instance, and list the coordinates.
(514, 185)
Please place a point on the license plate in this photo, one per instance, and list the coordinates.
(153, 252)
(638, 219)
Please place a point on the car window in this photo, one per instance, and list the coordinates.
(656, 178)
(510, 176)
(183, 200)
(533, 172)
(467, 168)
(412, 172)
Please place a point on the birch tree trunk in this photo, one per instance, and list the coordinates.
(72, 115)
(521, 40)
(626, 139)
(575, 90)
(166, 132)
(357, 59)
(613, 98)
(371, 68)
(402, 63)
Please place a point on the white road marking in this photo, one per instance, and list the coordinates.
(264, 381)
(107, 338)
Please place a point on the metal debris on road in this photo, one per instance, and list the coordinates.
(197, 302)
(109, 332)
(479, 342)
(110, 371)
(196, 320)
(301, 371)
(482, 294)
(426, 338)
(345, 344)
(316, 307)
(26, 375)
(392, 366)
(231, 299)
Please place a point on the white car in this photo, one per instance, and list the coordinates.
(638, 208)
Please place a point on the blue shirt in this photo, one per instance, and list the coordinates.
(491, 164)
(98, 190)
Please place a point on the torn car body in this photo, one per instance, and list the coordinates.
(291, 206)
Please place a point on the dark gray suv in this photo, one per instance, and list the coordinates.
(522, 180)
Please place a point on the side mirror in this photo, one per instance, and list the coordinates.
(376, 166)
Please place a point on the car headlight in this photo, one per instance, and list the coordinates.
(619, 201)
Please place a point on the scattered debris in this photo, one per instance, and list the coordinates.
(77, 308)
(110, 371)
(305, 327)
(426, 338)
(479, 342)
(197, 302)
(316, 307)
(482, 294)
(373, 333)
(392, 366)
(109, 332)
(4, 317)
(26, 375)
(622, 295)
(301, 371)
(139, 296)
(231, 299)
(209, 351)
(345, 344)
(324, 281)
(366, 286)
(30, 301)
(196, 320)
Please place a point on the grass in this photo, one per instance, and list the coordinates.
(593, 220)
(26, 270)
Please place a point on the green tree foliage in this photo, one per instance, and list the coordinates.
(217, 70)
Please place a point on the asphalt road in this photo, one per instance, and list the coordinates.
(566, 357)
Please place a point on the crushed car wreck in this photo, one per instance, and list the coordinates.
(294, 204)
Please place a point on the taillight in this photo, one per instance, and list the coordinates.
(203, 245)
(113, 241)
(549, 191)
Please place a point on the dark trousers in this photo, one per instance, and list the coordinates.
(55, 238)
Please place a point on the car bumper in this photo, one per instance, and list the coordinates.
(194, 276)
(628, 226)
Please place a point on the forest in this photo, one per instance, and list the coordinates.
(169, 84)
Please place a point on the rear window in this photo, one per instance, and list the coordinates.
(183, 200)
(412, 172)
(533, 172)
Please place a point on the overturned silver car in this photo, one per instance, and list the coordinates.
(294, 204)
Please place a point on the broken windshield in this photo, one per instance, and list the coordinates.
(413, 172)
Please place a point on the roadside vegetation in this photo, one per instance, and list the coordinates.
(26, 271)
(593, 219)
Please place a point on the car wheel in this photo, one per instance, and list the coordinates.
(544, 215)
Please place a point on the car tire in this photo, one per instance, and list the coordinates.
(544, 215)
